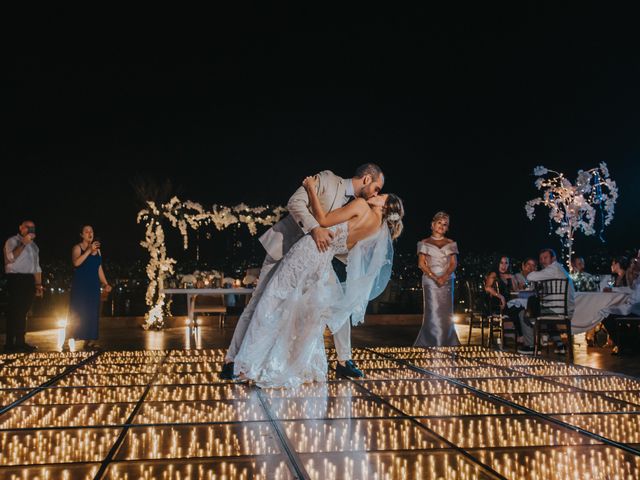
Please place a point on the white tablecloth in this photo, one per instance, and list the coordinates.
(589, 306)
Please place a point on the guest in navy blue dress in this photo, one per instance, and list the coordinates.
(84, 306)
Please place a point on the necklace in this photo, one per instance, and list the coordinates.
(437, 238)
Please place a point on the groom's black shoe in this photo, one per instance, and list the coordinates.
(348, 370)
(227, 372)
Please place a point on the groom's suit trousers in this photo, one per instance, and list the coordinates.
(341, 339)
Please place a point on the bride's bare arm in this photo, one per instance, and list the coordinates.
(334, 217)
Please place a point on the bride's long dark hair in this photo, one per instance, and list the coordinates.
(392, 214)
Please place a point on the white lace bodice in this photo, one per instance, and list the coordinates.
(284, 346)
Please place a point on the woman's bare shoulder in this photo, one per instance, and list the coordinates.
(359, 204)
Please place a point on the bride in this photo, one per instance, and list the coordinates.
(284, 344)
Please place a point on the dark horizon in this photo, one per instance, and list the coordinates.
(457, 115)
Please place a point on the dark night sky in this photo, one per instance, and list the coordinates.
(456, 106)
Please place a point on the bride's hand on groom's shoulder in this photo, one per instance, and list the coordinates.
(310, 183)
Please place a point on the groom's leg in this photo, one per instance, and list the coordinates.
(247, 313)
(342, 341)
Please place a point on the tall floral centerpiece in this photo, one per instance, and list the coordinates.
(575, 206)
(186, 215)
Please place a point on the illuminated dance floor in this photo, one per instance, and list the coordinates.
(454, 413)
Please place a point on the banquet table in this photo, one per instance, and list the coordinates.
(588, 308)
(193, 293)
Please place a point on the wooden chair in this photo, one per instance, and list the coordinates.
(477, 308)
(554, 313)
(499, 322)
(210, 304)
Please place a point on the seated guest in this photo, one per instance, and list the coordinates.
(619, 267)
(551, 270)
(526, 267)
(499, 282)
(624, 336)
(583, 281)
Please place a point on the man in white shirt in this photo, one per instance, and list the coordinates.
(24, 282)
(551, 270)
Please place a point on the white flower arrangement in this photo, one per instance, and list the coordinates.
(186, 215)
(574, 207)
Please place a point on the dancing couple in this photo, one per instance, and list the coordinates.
(278, 341)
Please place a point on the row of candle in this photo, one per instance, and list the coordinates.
(227, 391)
(385, 466)
(127, 360)
(413, 387)
(116, 369)
(103, 380)
(358, 435)
(56, 362)
(631, 397)
(514, 385)
(475, 372)
(523, 360)
(624, 428)
(218, 353)
(557, 370)
(51, 396)
(44, 355)
(9, 396)
(309, 408)
(23, 382)
(600, 382)
(56, 446)
(316, 390)
(191, 367)
(567, 402)
(509, 431)
(389, 374)
(444, 362)
(447, 405)
(27, 371)
(176, 378)
(570, 463)
(199, 441)
(200, 412)
(271, 469)
(66, 416)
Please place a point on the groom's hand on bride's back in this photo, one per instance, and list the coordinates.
(322, 237)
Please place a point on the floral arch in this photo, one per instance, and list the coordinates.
(186, 215)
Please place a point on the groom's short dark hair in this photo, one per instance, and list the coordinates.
(550, 251)
(368, 169)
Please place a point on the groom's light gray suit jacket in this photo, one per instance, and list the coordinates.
(331, 191)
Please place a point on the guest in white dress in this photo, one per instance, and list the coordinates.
(437, 260)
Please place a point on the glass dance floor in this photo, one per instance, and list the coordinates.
(450, 413)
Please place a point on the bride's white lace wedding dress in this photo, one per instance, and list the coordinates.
(284, 345)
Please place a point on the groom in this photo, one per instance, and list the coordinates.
(333, 192)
